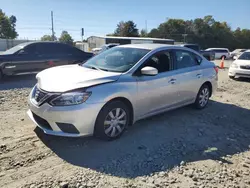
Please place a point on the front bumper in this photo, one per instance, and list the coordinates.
(69, 121)
(237, 72)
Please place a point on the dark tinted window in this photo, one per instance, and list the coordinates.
(245, 56)
(186, 59)
(53, 48)
(161, 61)
(31, 49)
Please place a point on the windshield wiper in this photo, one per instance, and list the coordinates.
(96, 68)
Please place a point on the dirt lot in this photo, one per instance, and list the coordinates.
(181, 148)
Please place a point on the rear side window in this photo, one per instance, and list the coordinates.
(185, 59)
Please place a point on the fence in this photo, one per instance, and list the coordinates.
(9, 43)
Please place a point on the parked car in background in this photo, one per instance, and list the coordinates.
(118, 87)
(96, 50)
(220, 52)
(209, 55)
(33, 57)
(241, 66)
(107, 46)
(237, 52)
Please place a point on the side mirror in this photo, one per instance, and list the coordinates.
(149, 71)
(22, 52)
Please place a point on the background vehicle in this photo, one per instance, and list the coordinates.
(116, 88)
(96, 50)
(209, 55)
(106, 47)
(220, 52)
(36, 56)
(237, 52)
(241, 66)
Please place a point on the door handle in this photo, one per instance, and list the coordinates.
(198, 75)
(172, 81)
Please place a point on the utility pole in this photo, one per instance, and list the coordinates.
(52, 28)
(146, 26)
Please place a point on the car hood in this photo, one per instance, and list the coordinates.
(242, 62)
(70, 77)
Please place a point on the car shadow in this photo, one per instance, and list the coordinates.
(161, 142)
(241, 79)
(18, 82)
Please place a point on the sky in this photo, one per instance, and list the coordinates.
(100, 17)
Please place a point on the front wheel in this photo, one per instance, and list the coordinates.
(112, 120)
(202, 97)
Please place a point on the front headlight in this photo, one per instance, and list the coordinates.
(234, 65)
(72, 98)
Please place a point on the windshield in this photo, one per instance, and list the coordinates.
(117, 59)
(245, 56)
(14, 49)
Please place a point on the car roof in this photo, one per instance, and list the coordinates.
(42, 42)
(148, 46)
(217, 49)
(188, 44)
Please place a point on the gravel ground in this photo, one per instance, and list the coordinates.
(181, 148)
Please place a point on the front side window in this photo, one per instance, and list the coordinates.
(117, 59)
(245, 56)
(185, 59)
(161, 61)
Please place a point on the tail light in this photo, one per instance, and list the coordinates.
(216, 69)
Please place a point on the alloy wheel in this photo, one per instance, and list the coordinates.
(204, 96)
(115, 122)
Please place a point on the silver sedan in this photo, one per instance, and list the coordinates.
(118, 87)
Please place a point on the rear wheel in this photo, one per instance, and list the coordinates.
(1, 76)
(223, 56)
(203, 97)
(112, 120)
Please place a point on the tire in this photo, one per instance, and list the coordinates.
(203, 95)
(115, 126)
(1, 76)
(232, 77)
(223, 56)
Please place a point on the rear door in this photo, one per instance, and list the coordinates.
(188, 74)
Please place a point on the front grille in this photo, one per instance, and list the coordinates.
(245, 67)
(42, 122)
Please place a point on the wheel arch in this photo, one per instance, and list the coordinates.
(126, 102)
(209, 84)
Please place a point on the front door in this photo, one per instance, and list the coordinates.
(159, 92)
(25, 61)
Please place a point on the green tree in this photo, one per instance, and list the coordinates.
(143, 33)
(66, 38)
(126, 29)
(46, 38)
(7, 26)
(207, 32)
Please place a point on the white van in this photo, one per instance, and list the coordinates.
(220, 52)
